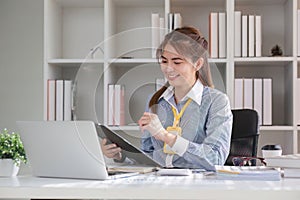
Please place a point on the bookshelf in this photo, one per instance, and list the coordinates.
(72, 28)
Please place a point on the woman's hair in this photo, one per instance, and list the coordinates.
(190, 43)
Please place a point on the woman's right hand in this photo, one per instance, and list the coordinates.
(111, 150)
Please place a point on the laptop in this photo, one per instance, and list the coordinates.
(63, 149)
(130, 151)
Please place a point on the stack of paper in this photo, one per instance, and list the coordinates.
(289, 163)
(259, 173)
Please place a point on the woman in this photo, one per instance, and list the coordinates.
(189, 123)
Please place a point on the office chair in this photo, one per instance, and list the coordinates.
(244, 136)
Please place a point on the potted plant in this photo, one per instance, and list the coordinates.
(12, 153)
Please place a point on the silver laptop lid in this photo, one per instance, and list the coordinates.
(66, 149)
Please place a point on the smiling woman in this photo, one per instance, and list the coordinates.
(188, 123)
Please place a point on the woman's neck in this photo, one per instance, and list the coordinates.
(180, 92)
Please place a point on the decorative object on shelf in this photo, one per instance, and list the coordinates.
(12, 153)
(276, 51)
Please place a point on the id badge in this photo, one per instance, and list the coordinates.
(175, 131)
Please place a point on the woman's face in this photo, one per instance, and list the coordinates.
(179, 71)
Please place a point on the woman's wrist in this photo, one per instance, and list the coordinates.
(166, 137)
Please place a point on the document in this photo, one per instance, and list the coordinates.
(261, 173)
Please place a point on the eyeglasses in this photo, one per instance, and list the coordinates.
(248, 161)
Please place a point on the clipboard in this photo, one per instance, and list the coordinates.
(129, 150)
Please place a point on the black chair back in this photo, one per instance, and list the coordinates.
(245, 133)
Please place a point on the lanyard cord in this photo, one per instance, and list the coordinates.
(178, 116)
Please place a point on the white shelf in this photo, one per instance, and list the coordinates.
(74, 27)
(276, 128)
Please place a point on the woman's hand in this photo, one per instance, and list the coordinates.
(151, 123)
(111, 150)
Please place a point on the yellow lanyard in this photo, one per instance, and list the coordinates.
(178, 116)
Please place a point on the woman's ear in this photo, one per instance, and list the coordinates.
(199, 63)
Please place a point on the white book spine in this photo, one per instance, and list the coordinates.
(155, 33)
(213, 35)
(110, 110)
(177, 20)
(117, 110)
(238, 93)
(244, 36)
(162, 30)
(51, 96)
(237, 33)
(298, 32)
(251, 39)
(258, 36)
(222, 34)
(122, 106)
(248, 93)
(170, 21)
(67, 100)
(267, 101)
(59, 100)
(298, 100)
(257, 98)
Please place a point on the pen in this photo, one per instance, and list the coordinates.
(227, 171)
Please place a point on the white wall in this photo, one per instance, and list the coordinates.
(21, 61)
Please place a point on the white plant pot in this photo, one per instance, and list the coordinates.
(8, 167)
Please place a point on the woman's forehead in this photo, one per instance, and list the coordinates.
(169, 52)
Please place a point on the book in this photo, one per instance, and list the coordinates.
(67, 100)
(259, 173)
(267, 101)
(298, 100)
(155, 33)
(258, 36)
(257, 98)
(248, 93)
(170, 21)
(59, 100)
(298, 33)
(284, 161)
(291, 172)
(251, 38)
(213, 34)
(244, 35)
(162, 30)
(51, 96)
(177, 21)
(110, 110)
(222, 34)
(238, 93)
(237, 33)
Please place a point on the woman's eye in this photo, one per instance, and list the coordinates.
(177, 63)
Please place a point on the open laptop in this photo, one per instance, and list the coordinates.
(129, 150)
(63, 149)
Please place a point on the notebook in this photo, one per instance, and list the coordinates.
(63, 149)
(130, 151)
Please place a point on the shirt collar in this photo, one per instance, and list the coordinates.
(195, 93)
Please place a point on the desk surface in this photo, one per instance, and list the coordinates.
(147, 187)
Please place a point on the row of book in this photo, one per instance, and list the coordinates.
(247, 35)
(116, 98)
(59, 100)
(159, 29)
(217, 35)
(254, 93)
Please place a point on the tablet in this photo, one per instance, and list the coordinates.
(129, 150)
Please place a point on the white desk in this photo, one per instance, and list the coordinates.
(148, 187)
